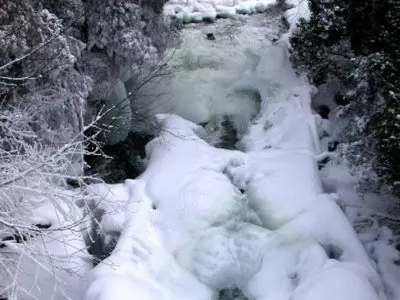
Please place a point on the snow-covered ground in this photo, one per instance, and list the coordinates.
(263, 219)
(54, 262)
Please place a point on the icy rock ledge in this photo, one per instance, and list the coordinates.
(182, 193)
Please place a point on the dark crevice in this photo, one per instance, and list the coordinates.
(333, 252)
(231, 294)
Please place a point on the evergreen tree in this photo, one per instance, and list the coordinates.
(358, 42)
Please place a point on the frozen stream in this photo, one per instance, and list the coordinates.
(205, 222)
(203, 71)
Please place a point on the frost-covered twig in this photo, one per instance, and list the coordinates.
(34, 50)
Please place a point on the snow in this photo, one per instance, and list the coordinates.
(200, 219)
(188, 234)
(299, 9)
(140, 266)
(368, 214)
(202, 73)
(364, 212)
(184, 176)
(283, 145)
(335, 281)
(111, 199)
(53, 264)
(198, 10)
(388, 258)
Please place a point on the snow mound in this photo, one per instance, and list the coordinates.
(140, 267)
(299, 9)
(53, 262)
(112, 200)
(185, 180)
(281, 180)
(198, 10)
(182, 193)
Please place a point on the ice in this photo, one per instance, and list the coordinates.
(198, 10)
(201, 74)
(188, 233)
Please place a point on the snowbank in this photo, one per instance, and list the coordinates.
(182, 193)
(282, 184)
(140, 267)
(368, 214)
(198, 10)
(52, 264)
(299, 9)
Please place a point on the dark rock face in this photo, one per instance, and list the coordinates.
(231, 294)
(340, 99)
(323, 111)
(20, 237)
(333, 252)
(229, 135)
(222, 132)
(121, 161)
(210, 36)
(332, 146)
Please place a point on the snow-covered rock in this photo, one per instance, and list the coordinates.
(140, 265)
(198, 10)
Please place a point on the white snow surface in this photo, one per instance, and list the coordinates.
(54, 263)
(202, 219)
(198, 10)
(188, 233)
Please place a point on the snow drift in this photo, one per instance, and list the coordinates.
(53, 262)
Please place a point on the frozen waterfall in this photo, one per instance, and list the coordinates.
(204, 222)
(201, 220)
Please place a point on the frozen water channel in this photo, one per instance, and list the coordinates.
(231, 204)
(204, 222)
(204, 71)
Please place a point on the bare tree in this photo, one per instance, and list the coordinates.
(45, 130)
